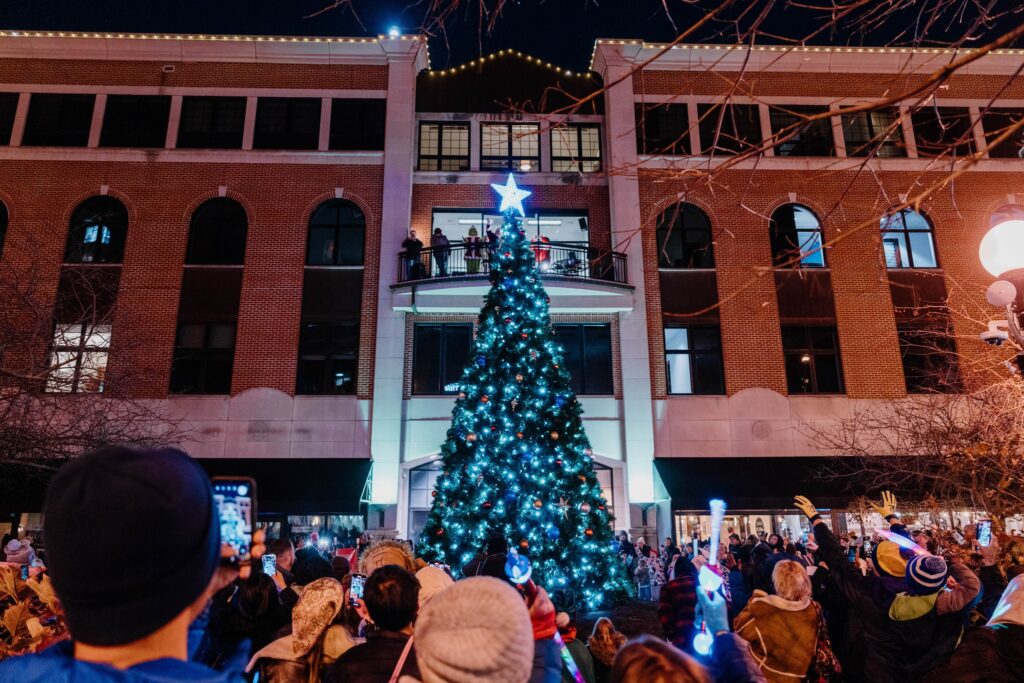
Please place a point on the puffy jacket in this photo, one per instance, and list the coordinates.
(782, 634)
(374, 660)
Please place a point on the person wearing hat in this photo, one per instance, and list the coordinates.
(880, 646)
(19, 552)
(128, 617)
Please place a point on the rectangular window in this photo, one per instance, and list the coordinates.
(444, 147)
(995, 121)
(588, 357)
(440, 352)
(728, 128)
(662, 129)
(510, 147)
(943, 131)
(328, 358)
(211, 122)
(693, 360)
(287, 123)
(576, 148)
(929, 360)
(204, 354)
(357, 124)
(58, 120)
(805, 139)
(8, 107)
(78, 358)
(135, 121)
(877, 133)
(812, 360)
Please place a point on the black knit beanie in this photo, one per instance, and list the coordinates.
(132, 539)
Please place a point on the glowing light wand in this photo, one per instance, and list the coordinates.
(708, 576)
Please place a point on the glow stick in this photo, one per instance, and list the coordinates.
(570, 663)
(717, 515)
(702, 641)
(902, 541)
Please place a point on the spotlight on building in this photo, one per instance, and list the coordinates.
(394, 32)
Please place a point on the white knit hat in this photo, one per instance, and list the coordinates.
(477, 630)
(432, 581)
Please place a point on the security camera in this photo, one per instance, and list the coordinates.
(994, 337)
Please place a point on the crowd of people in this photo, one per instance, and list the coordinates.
(917, 607)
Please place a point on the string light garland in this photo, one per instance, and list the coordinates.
(480, 61)
(517, 460)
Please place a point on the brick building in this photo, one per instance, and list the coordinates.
(248, 199)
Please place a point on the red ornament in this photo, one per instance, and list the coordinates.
(538, 503)
(433, 494)
(484, 399)
(583, 479)
(519, 435)
(600, 507)
(462, 394)
(440, 532)
(589, 532)
(507, 254)
(471, 437)
(524, 544)
(494, 428)
(554, 436)
(508, 321)
(524, 335)
(487, 505)
(519, 378)
(558, 462)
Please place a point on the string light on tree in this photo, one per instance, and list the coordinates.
(517, 460)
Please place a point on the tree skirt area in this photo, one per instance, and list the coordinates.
(632, 617)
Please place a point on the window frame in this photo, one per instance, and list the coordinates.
(989, 117)
(953, 116)
(893, 146)
(442, 353)
(584, 359)
(35, 133)
(206, 355)
(727, 144)
(86, 330)
(691, 354)
(655, 115)
(579, 159)
(814, 355)
(510, 161)
(288, 138)
(904, 233)
(331, 354)
(786, 115)
(909, 336)
(664, 232)
(339, 229)
(8, 110)
(463, 161)
(216, 135)
(75, 223)
(776, 237)
(114, 134)
(218, 241)
(370, 132)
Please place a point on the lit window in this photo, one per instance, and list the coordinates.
(510, 147)
(97, 232)
(877, 133)
(576, 148)
(812, 360)
(444, 147)
(796, 233)
(78, 358)
(684, 238)
(907, 240)
(693, 360)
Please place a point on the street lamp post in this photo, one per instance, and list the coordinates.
(1002, 254)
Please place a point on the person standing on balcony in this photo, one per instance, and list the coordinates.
(413, 248)
(492, 239)
(472, 242)
(442, 249)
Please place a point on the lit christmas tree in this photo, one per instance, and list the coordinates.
(517, 459)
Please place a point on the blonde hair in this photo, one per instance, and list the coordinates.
(791, 581)
(605, 641)
(648, 660)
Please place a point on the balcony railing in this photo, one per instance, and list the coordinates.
(564, 259)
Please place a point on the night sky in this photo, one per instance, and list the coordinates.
(560, 31)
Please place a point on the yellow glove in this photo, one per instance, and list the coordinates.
(805, 506)
(888, 507)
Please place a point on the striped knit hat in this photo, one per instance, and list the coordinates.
(926, 574)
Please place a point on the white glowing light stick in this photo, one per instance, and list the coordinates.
(901, 541)
(707, 576)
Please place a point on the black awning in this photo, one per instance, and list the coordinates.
(300, 486)
(752, 483)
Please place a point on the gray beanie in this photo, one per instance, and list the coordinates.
(477, 630)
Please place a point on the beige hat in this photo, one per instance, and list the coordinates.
(387, 552)
(432, 581)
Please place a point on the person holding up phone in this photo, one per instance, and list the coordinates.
(128, 611)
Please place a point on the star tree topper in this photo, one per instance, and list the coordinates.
(511, 196)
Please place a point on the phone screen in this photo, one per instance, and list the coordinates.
(235, 498)
(985, 532)
(356, 591)
(270, 564)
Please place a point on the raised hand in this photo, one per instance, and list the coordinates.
(804, 505)
(887, 508)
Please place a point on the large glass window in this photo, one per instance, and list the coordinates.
(576, 148)
(588, 357)
(8, 107)
(510, 147)
(78, 358)
(135, 121)
(211, 123)
(328, 358)
(444, 147)
(337, 231)
(684, 238)
(58, 120)
(796, 233)
(929, 360)
(439, 355)
(877, 133)
(287, 123)
(907, 240)
(728, 128)
(943, 131)
(995, 121)
(693, 360)
(662, 129)
(805, 138)
(204, 354)
(216, 234)
(357, 124)
(97, 232)
(812, 360)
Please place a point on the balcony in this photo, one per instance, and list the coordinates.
(578, 278)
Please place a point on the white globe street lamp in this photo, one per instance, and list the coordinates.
(1002, 254)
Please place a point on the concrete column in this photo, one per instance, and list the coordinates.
(405, 59)
(173, 123)
(249, 126)
(96, 127)
(20, 115)
(324, 142)
(624, 200)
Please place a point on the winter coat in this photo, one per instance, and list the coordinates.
(992, 585)
(602, 671)
(782, 634)
(739, 593)
(374, 660)
(491, 565)
(677, 606)
(412, 248)
(547, 662)
(440, 244)
(584, 662)
(733, 662)
(57, 664)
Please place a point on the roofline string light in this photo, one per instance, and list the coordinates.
(510, 53)
(196, 36)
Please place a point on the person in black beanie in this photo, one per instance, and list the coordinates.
(128, 612)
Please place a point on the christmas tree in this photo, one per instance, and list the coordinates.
(517, 461)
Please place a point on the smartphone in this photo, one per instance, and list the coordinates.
(985, 533)
(867, 547)
(270, 564)
(235, 498)
(958, 537)
(24, 572)
(356, 591)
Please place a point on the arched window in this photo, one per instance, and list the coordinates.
(216, 234)
(97, 233)
(337, 230)
(796, 233)
(684, 238)
(907, 240)
(4, 216)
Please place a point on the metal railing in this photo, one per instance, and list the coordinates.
(566, 259)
